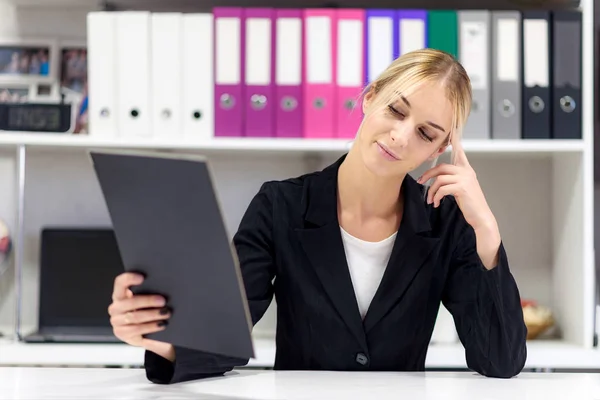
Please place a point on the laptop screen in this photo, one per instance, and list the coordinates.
(77, 272)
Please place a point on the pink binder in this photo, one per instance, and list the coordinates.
(259, 97)
(228, 91)
(289, 117)
(350, 76)
(320, 53)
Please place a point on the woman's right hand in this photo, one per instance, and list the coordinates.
(133, 316)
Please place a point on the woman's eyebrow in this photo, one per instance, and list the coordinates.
(436, 126)
(404, 99)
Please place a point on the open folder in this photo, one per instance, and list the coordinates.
(168, 225)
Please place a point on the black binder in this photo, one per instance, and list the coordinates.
(536, 104)
(566, 63)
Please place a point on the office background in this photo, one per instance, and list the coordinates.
(541, 190)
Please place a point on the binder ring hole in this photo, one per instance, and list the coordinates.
(227, 101)
(567, 104)
(104, 112)
(166, 114)
(350, 104)
(319, 103)
(507, 108)
(536, 104)
(135, 113)
(197, 114)
(288, 103)
(258, 101)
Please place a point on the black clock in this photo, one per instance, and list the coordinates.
(35, 117)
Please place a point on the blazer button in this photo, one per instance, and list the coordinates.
(362, 359)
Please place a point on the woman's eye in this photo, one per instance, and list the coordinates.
(395, 112)
(424, 135)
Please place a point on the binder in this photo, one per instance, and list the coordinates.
(474, 54)
(166, 56)
(507, 78)
(442, 31)
(259, 59)
(382, 39)
(102, 70)
(133, 73)
(350, 71)
(412, 30)
(566, 63)
(229, 72)
(198, 76)
(288, 72)
(536, 75)
(320, 49)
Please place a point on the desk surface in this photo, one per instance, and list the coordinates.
(96, 383)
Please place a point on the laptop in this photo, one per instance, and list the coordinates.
(77, 271)
(169, 226)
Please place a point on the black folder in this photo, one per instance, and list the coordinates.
(537, 100)
(168, 225)
(567, 52)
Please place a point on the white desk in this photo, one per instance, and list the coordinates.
(540, 354)
(93, 383)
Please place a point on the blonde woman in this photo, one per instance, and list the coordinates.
(361, 254)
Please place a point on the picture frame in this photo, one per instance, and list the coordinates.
(72, 80)
(28, 60)
(16, 93)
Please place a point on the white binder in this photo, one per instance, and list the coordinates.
(133, 73)
(198, 88)
(101, 44)
(380, 44)
(166, 73)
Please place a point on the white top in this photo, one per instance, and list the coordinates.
(111, 383)
(367, 262)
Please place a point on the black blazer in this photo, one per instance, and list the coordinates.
(290, 233)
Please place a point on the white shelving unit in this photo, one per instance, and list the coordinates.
(541, 192)
(278, 145)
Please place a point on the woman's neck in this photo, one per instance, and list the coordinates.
(364, 195)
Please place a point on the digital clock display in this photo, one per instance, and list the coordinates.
(34, 118)
(38, 117)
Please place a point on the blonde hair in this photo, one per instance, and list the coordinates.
(414, 68)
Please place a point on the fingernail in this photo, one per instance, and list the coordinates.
(160, 301)
(163, 323)
(164, 311)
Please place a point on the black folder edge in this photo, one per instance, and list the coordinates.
(194, 158)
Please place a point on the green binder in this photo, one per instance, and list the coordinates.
(442, 31)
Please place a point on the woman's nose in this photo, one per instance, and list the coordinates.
(399, 134)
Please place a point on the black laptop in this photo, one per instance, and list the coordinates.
(77, 272)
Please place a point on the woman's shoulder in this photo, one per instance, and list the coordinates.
(292, 188)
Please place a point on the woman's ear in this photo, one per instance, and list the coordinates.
(438, 152)
(368, 99)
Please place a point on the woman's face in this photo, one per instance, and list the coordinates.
(401, 136)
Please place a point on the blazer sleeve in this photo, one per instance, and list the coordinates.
(254, 246)
(486, 307)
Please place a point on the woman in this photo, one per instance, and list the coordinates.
(362, 254)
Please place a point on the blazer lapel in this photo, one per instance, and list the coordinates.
(322, 242)
(410, 251)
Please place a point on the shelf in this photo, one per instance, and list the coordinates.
(267, 145)
(541, 354)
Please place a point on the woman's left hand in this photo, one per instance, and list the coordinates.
(459, 180)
